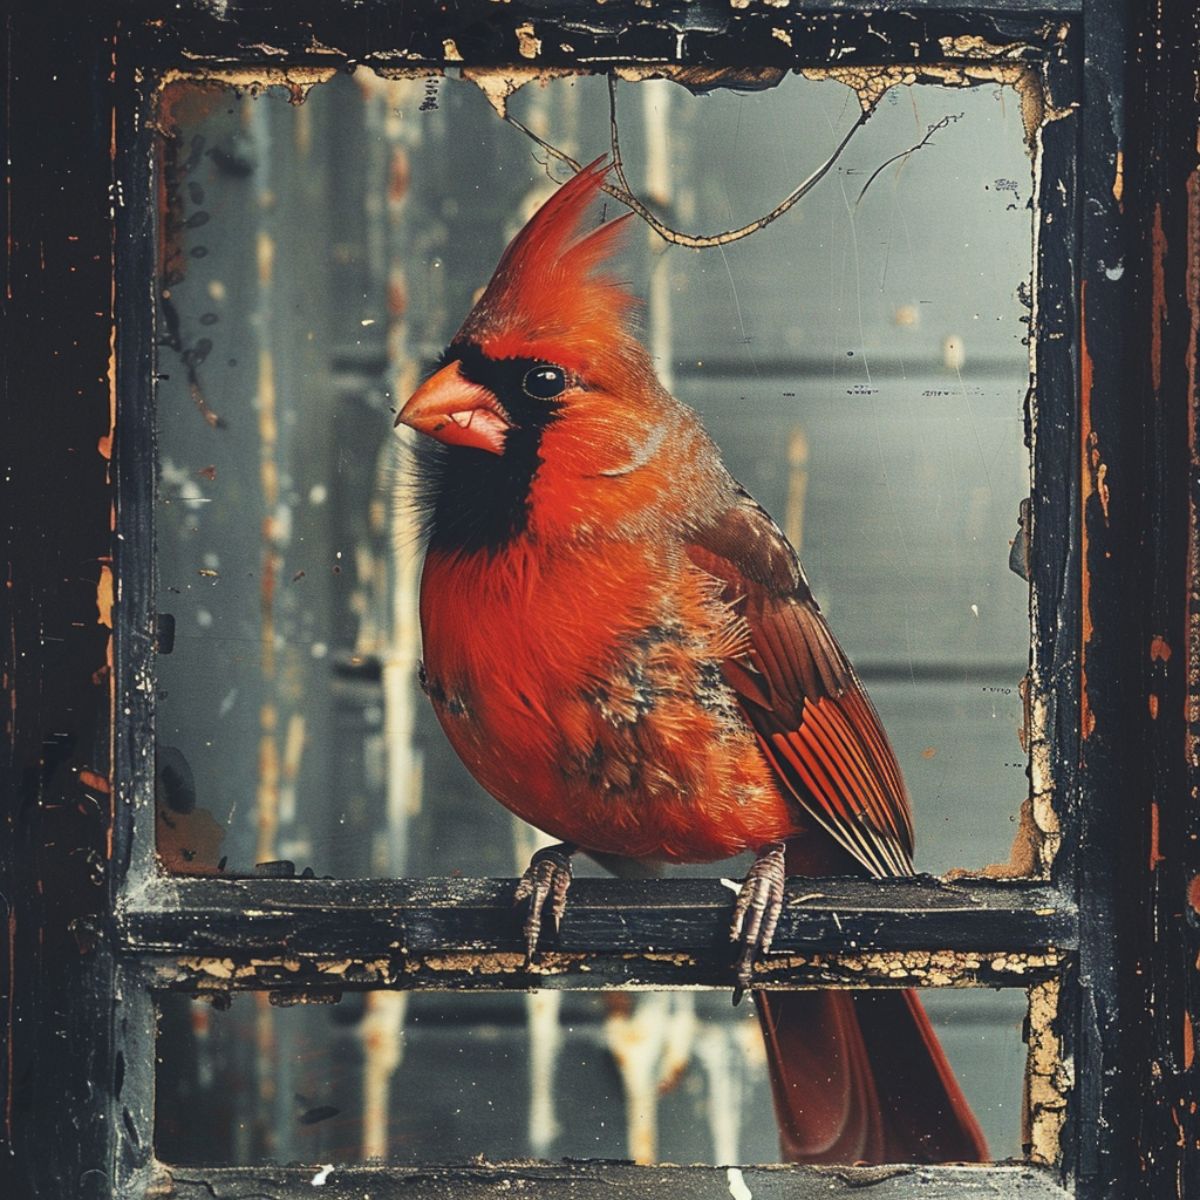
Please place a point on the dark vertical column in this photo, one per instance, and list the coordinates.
(60, 1088)
(1139, 847)
(1157, 501)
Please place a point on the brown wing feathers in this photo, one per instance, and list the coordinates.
(814, 722)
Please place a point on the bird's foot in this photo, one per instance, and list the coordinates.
(547, 878)
(756, 913)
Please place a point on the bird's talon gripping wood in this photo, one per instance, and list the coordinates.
(756, 913)
(547, 878)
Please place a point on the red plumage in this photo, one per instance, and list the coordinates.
(621, 646)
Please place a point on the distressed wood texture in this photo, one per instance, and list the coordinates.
(298, 935)
(57, 988)
(1115, 562)
(707, 35)
(611, 1181)
(1140, 459)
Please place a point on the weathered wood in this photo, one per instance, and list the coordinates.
(1139, 450)
(608, 1181)
(1130, 841)
(57, 1100)
(298, 934)
(713, 36)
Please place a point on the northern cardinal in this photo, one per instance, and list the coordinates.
(623, 649)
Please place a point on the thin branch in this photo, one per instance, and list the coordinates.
(946, 120)
(624, 193)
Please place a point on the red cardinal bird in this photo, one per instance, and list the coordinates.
(621, 646)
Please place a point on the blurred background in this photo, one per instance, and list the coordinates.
(861, 362)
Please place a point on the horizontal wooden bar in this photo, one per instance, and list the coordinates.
(300, 935)
(608, 1181)
(748, 41)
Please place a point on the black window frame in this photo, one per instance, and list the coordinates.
(1106, 942)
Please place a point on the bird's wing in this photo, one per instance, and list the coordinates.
(814, 721)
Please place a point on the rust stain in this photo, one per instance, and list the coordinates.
(1118, 187)
(1155, 856)
(105, 444)
(1152, 701)
(94, 780)
(399, 176)
(189, 843)
(1189, 1041)
(1160, 649)
(1101, 483)
(104, 596)
(183, 101)
(1193, 893)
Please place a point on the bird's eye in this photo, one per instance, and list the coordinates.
(544, 381)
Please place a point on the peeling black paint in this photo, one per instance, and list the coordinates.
(74, 1108)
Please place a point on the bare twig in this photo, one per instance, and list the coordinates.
(937, 125)
(624, 193)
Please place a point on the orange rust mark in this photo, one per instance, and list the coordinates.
(399, 175)
(1153, 702)
(182, 104)
(1099, 472)
(397, 298)
(1160, 650)
(213, 419)
(105, 672)
(1189, 1041)
(105, 444)
(1158, 305)
(1118, 187)
(1194, 893)
(209, 473)
(1087, 718)
(1155, 856)
(94, 779)
(104, 596)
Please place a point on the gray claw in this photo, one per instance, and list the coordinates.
(756, 913)
(547, 878)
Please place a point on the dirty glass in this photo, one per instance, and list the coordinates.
(433, 1078)
(861, 360)
(862, 363)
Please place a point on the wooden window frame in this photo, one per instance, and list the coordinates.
(1105, 942)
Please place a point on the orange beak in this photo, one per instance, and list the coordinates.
(456, 411)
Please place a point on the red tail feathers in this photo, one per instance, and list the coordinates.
(860, 1077)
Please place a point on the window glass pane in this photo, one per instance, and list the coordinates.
(861, 362)
(428, 1078)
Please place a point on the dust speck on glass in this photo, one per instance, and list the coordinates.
(862, 363)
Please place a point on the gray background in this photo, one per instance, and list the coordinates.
(331, 248)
